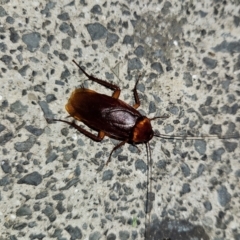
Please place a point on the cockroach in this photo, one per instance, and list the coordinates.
(110, 116)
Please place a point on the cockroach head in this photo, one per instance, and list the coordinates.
(142, 131)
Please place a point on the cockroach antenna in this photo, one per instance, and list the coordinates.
(150, 196)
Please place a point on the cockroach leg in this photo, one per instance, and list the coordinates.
(115, 148)
(135, 93)
(139, 150)
(95, 138)
(164, 116)
(111, 86)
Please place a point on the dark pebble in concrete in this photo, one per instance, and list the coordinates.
(49, 5)
(231, 47)
(4, 105)
(127, 190)
(19, 226)
(185, 170)
(200, 146)
(47, 112)
(49, 212)
(207, 205)
(187, 77)
(18, 108)
(107, 175)
(237, 64)
(111, 236)
(201, 169)
(230, 146)
(96, 31)
(41, 195)
(215, 129)
(14, 36)
(237, 173)
(77, 170)
(6, 59)
(152, 107)
(64, 27)
(122, 158)
(10, 20)
(95, 236)
(66, 43)
(59, 196)
(224, 196)
(32, 40)
(141, 165)
(65, 74)
(157, 67)
(124, 235)
(139, 51)
(5, 138)
(202, 14)
(4, 181)
(52, 156)
(168, 128)
(217, 154)
(23, 70)
(61, 209)
(75, 232)
(70, 183)
(63, 16)
(134, 63)
(6, 167)
(26, 145)
(50, 98)
(63, 57)
(161, 164)
(185, 189)
(209, 62)
(33, 178)
(174, 110)
(3, 13)
(24, 211)
(128, 40)
(39, 236)
(35, 131)
(112, 38)
(96, 9)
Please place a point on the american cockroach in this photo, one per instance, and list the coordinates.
(110, 116)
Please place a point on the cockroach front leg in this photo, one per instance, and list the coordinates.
(111, 86)
(115, 148)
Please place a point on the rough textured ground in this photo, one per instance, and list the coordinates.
(53, 181)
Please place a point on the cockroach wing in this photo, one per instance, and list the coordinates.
(103, 113)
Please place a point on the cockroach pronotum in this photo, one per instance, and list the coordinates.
(110, 116)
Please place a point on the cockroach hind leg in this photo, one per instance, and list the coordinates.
(104, 83)
(135, 94)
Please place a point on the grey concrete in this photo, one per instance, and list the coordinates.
(53, 180)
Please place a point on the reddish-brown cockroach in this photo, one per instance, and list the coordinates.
(110, 116)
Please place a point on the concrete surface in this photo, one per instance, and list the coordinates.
(53, 181)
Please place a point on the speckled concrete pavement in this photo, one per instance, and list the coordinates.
(53, 181)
